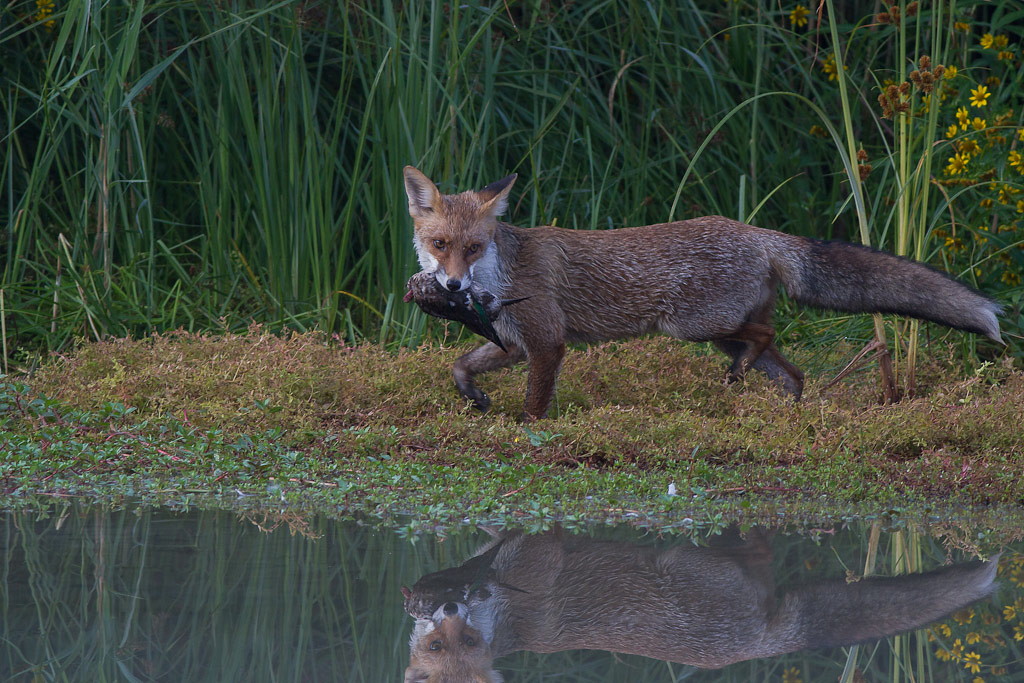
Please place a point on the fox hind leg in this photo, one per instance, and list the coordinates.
(482, 359)
(755, 338)
(771, 362)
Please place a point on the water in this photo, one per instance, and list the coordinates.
(88, 594)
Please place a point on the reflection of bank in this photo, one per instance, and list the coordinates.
(702, 606)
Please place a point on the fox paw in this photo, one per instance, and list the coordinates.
(481, 401)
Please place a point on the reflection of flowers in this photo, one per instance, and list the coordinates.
(972, 662)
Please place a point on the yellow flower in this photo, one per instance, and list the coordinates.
(962, 26)
(791, 675)
(1016, 161)
(818, 131)
(945, 630)
(44, 8)
(950, 73)
(972, 662)
(1013, 279)
(1005, 55)
(980, 95)
(957, 651)
(987, 40)
(829, 67)
(798, 17)
(1001, 41)
(986, 203)
(1020, 134)
(964, 616)
(978, 123)
(1009, 613)
(1018, 630)
(973, 637)
(969, 147)
(957, 164)
(951, 131)
(962, 116)
(1020, 206)
(942, 654)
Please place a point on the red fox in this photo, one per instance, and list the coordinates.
(705, 279)
(701, 606)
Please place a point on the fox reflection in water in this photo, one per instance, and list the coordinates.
(701, 606)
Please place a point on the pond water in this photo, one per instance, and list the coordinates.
(90, 594)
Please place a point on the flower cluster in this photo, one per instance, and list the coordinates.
(44, 10)
(977, 638)
(978, 148)
(893, 16)
(798, 17)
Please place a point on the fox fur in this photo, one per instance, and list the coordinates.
(704, 279)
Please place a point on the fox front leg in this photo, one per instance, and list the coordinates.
(482, 359)
(545, 364)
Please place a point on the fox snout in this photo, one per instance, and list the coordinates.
(451, 283)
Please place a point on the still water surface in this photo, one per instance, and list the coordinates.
(88, 594)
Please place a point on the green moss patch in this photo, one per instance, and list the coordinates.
(308, 418)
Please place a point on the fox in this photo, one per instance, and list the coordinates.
(705, 606)
(708, 279)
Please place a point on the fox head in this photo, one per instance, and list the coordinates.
(447, 649)
(454, 234)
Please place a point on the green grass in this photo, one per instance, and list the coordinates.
(330, 426)
(197, 165)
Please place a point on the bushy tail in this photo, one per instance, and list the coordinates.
(835, 613)
(857, 279)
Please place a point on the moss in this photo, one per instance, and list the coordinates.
(652, 406)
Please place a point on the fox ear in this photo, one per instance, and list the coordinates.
(495, 195)
(423, 195)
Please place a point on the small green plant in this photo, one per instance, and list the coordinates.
(540, 437)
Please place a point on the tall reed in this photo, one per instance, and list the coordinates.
(174, 163)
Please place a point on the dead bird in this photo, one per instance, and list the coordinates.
(475, 308)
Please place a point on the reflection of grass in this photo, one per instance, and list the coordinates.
(183, 416)
(127, 596)
(134, 595)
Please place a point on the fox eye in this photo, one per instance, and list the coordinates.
(473, 248)
(470, 642)
(439, 244)
(435, 645)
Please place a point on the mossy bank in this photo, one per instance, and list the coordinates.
(643, 431)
